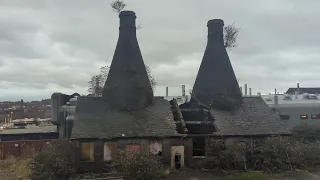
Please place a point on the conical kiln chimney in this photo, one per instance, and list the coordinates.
(127, 86)
(216, 85)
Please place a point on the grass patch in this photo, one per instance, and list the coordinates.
(244, 175)
(259, 174)
(15, 169)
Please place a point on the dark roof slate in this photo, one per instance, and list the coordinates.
(253, 117)
(94, 119)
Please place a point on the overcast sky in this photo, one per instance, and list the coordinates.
(57, 45)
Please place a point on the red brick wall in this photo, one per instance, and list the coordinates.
(21, 148)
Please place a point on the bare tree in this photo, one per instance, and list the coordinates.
(118, 5)
(230, 36)
(96, 83)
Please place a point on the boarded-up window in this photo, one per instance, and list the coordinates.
(156, 147)
(133, 147)
(109, 151)
(87, 151)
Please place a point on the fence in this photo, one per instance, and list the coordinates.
(21, 148)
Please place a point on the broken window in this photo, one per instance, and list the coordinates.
(199, 146)
(86, 151)
(285, 117)
(156, 148)
(109, 151)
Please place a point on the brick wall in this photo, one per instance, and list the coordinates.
(122, 144)
(21, 148)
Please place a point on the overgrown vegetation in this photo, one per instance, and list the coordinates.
(139, 165)
(276, 154)
(15, 168)
(53, 162)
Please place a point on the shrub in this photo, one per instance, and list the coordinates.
(225, 157)
(139, 165)
(306, 133)
(277, 154)
(53, 162)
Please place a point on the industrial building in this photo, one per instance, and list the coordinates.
(129, 117)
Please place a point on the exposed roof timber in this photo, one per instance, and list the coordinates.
(180, 117)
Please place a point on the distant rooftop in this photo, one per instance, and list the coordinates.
(291, 99)
(310, 90)
(30, 130)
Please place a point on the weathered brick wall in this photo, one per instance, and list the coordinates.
(99, 162)
(21, 148)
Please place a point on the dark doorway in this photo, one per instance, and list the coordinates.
(199, 146)
(177, 160)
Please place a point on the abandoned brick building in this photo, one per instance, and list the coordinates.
(129, 117)
(217, 109)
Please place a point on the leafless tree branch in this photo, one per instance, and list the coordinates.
(230, 36)
(118, 5)
(96, 82)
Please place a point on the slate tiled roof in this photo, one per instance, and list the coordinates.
(253, 117)
(94, 119)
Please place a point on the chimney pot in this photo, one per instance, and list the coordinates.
(127, 13)
(215, 22)
(245, 89)
(167, 91)
(183, 90)
(275, 100)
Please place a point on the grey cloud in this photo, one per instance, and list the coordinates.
(65, 42)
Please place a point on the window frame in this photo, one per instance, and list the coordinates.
(284, 117)
(91, 153)
(317, 116)
(306, 116)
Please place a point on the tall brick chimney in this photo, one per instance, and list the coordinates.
(216, 84)
(127, 86)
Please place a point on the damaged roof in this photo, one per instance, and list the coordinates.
(253, 117)
(95, 119)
